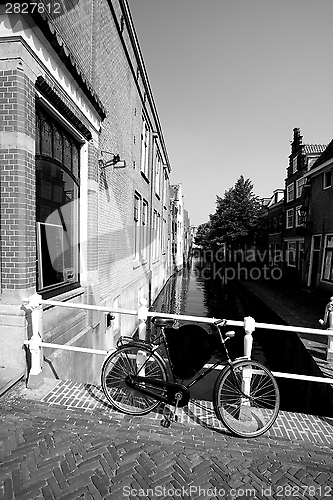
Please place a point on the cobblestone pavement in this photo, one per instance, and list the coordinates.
(79, 449)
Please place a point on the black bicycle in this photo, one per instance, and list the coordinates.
(139, 376)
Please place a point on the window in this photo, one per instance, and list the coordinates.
(156, 234)
(144, 241)
(164, 237)
(57, 204)
(137, 200)
(291, 253)
(290, 218)
(327, 179)
(144, 148)
(327, 272)
(290, 192)
(165, 189)
(299, 187)
(158, 166)
(299, 217)
(294, 170)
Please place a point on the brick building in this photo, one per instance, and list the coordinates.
(84, 178)
(318, 205)
(181, 239)
(300, 161)
(275, 216)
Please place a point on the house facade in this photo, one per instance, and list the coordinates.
(275, 216)
(301, 159)
(318, 206)
(85, 189)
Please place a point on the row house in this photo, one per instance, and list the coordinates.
(275, 218)
(85, 189)
(318, 210)
(181, 234)
(301, 159)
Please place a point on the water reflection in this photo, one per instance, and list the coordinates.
(197, 293)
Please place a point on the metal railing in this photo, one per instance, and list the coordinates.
(35, 344)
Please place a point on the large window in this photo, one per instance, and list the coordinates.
(290, 218)
(299, 187)
(57, 204)
(144, 242)
(291, 253)
(290, 192)
(145, 148)
(299, 216)
(137, 202)
(327, 273)
(158, 168)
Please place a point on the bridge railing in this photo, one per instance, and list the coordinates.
(35, 343)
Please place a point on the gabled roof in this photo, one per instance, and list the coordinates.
(314, 148)
(326, 155)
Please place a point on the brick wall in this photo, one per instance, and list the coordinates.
(17, 118)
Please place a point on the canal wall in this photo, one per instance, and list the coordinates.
(286, 352)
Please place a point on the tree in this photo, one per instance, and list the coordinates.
(202, 235)
(236, 217)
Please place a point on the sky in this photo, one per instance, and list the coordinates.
(231, 79)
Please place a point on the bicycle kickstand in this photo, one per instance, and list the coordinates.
(169, 415)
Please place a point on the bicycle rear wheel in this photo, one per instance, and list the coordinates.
(132, 359)
(246, 398)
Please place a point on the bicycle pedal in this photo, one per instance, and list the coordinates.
(165, 422)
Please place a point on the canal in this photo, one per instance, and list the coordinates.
(194, 292)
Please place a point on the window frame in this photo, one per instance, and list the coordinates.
(145, 141)
(51, 162)
(290, 218)
(325, 184)
(290, 192)
(327, 259)
(299, 186)
(299, 219)
(137, 229)
(291, 262)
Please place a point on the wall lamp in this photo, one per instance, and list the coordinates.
(114, 162)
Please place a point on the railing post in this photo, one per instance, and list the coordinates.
(142, 316)
(35, 376)
(249, 327)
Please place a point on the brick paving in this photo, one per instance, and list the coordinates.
(53, 446)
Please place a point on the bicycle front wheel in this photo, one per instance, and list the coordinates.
(246, 398)
(132, 360)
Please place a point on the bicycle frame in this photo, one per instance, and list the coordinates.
(133, 380)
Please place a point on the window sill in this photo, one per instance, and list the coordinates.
(63, 293)
(136, 263)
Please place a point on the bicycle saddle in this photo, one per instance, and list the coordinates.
(162, 321)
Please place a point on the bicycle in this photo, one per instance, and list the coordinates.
(139, 376)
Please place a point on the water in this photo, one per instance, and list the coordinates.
(195, 293)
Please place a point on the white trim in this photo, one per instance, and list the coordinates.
(318, 170)
(27, 34)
